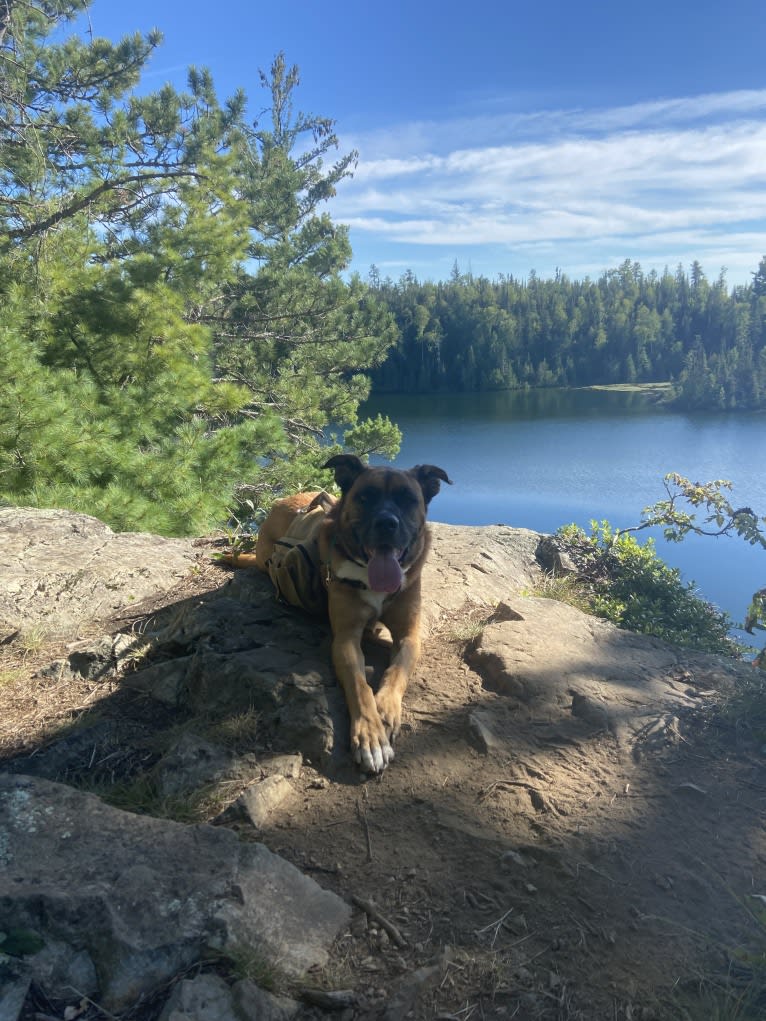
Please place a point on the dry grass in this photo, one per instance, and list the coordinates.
(564, 588)
(35, 708)
(32, 640)
(240, 733)
(470, 627)
(142, 796)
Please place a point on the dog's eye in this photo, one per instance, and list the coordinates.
(366, 496)
(405, 498)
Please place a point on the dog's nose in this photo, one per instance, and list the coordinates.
(386, 523)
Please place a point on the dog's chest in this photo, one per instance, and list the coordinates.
(349, 571)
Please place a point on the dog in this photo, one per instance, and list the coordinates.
(372, 544)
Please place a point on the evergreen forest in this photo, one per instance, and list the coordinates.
(628, 326)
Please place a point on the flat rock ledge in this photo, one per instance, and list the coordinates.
(123, 903)
(59, 570)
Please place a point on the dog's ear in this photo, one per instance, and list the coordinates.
(347, 467)
(430, 478)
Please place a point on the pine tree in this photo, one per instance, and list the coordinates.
(126, 226)
(294, 333)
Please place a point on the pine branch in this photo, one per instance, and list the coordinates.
(76, 206)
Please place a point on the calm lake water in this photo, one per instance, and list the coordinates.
(542, 459)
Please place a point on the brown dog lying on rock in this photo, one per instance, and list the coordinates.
(369, 547)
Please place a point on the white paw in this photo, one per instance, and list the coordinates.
(374, 759)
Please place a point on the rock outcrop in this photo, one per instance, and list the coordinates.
(114, 904)
(123, 903)
(59, 570)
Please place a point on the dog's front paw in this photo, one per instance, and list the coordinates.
(389, 704)
(370, 745)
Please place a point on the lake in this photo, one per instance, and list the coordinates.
(543, 458)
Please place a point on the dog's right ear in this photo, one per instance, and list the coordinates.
(347, 468)
(429, 477)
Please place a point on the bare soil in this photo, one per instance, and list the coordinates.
(561, 881)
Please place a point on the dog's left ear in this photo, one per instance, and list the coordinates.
(430, 478)
(347, 467)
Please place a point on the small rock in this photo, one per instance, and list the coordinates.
(204, 998)
(289, 766)
(192, 763)
(553, 560)
(15, 979)
(92, 661)
(513, 858)
(260, 801)
(60, 969)
(411, 986)
(255, 1004)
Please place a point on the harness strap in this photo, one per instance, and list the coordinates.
(330, 575)
(303, 551)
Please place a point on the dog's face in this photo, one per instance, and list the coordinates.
(382, 515)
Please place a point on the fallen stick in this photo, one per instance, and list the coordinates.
(365, 826)
(370, 909)
(339, 999)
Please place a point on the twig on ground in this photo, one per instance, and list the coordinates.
(337, 999)
(497, 925)
(372, 910)
(362, 814)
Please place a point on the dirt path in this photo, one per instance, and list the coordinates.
(567, 882)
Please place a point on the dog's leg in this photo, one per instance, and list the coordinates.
(379, 634)
(403, 621)
(369, 741)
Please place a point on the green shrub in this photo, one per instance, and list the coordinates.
(628, 584)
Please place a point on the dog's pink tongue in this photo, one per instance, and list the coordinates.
(384, 573)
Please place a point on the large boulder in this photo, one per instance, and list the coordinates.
(59, 569)
(121, 903)
(479, 566)
(563, 664)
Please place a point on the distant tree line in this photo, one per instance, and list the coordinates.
(471, 333)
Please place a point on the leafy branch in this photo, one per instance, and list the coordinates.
(721, 517)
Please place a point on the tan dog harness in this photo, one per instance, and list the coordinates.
(295, 567)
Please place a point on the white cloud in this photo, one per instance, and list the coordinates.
(653, 178)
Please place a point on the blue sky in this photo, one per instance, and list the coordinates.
(511, 136)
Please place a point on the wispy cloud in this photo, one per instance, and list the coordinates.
(649, 181)
(165, 72)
